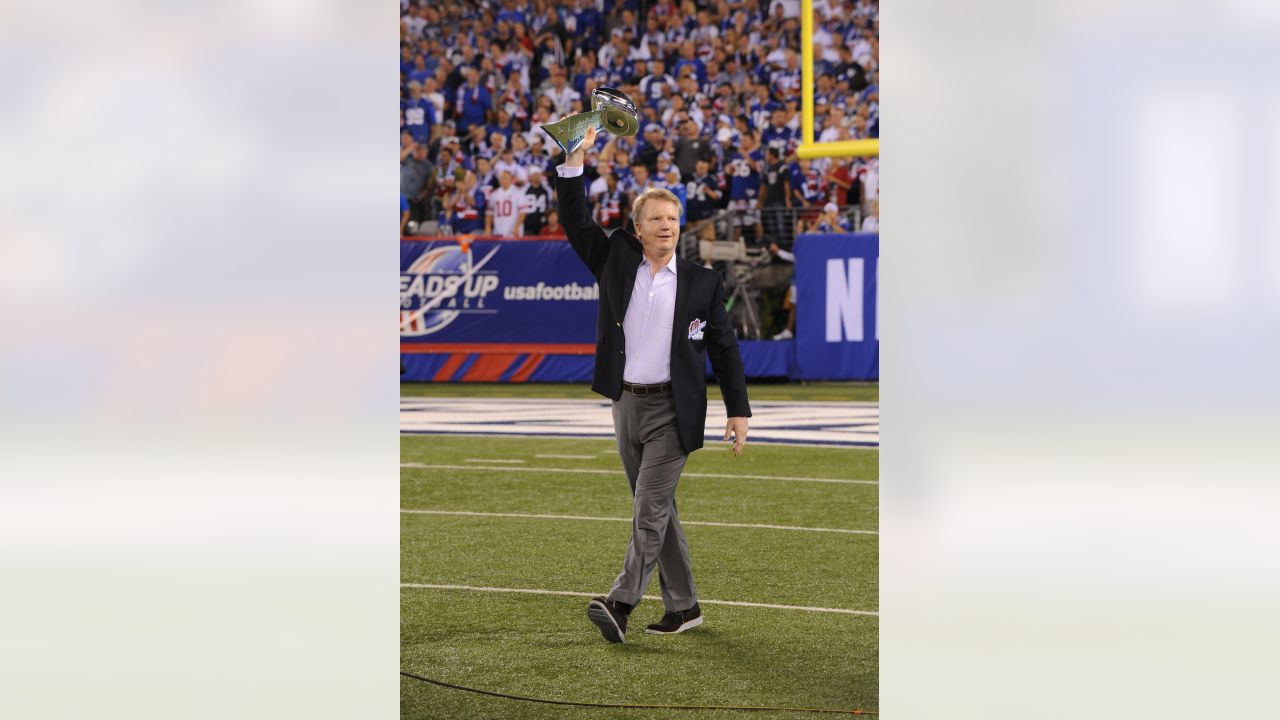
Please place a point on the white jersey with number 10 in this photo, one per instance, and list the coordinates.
(505, 204)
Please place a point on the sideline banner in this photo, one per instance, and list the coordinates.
(525, 291)
(837, 328)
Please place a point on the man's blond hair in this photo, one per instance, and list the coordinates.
(637, 207)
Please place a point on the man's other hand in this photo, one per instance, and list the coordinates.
(737, 427)
(575, 158)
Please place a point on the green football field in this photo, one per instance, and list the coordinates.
(483, 515)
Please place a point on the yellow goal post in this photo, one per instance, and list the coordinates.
(808, 148)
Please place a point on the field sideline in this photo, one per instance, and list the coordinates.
(788, 570)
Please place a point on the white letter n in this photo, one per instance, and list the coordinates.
(844, 300)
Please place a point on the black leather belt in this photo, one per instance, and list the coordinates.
(647, 389)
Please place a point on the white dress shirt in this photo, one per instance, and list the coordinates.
(650, 317)
(647, 326)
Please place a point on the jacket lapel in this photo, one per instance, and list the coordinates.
(619, 295)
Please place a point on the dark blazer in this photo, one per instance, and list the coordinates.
(614, 260)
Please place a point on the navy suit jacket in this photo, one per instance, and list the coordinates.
(614, 260)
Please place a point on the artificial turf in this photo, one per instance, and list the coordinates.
(543, 645)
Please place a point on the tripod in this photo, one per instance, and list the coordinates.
(743, 298)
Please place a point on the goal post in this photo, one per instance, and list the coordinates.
(808, 148)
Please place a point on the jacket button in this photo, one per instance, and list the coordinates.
(618, 324)
(622, 352)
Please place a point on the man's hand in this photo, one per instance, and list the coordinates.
(575, 158)
(737, 426)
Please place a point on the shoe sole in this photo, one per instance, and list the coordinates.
(691, 624)
(598, 614)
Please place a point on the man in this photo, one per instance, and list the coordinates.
(610, 203)
(419, 115)
(775, 200)
(416, 186)
(702, 192)
(691, 148)
(505, 215)
(742, 168)
(659, 316)
(561, 95)
(473, 101)
(536, 200)
(651, 85)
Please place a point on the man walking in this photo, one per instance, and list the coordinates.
(659, 318)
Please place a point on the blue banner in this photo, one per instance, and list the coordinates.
(526, 291)
(837, 329)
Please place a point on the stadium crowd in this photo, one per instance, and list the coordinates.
(717, 84)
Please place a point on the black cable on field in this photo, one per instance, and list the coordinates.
(631, 706)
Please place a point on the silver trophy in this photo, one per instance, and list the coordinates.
(611, 110)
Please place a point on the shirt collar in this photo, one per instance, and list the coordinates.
(671, 264)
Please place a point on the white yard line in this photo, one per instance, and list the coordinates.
(432, 586)
(708, 523)
(567, 457)
(494, 460)
(592, 471)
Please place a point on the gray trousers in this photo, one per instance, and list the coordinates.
(652, 457)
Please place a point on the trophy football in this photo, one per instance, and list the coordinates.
(611, 110)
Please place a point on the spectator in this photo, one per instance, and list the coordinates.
(776, 198)
(552, 227)
(505, 214)
(601, 183)
(830, 222)
(486, 176)
(678, 189)
(743, 171)
(871, 223)
(431, 92)
(467, 207)
(537, 200)
(652, 85)
(691, 148)
(843, 182)
(638, 182)
(701, 194)
(726, 66)
(473, 101)
(778, 135)
(788, 301)
(419, 114)
(809, 186)
(610, 203)
(416, 181)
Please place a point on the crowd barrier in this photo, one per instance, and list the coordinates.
(524, 310)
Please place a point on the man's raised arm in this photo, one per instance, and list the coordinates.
(586, 237)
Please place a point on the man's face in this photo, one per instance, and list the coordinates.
(659, 226)
(505, 179)
(702, 167)
(641, 173)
